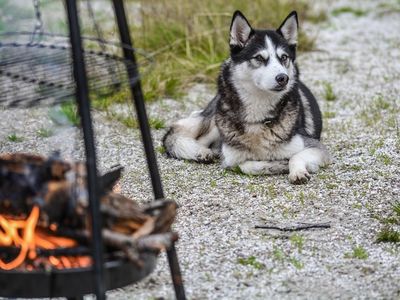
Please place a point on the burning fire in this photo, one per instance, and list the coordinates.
(28, 238)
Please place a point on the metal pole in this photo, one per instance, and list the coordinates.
(137, 94)
(90, 151)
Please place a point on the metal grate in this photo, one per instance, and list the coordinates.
(40, 74)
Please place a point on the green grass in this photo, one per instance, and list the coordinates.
(331, 186)
(296, 263)
(103, 99)
(132, 122)
(250, 261)
(329, 94)
(128, 121)
(389, 8)
(237, 170)
(380, 109)
(213, 183)
(381, 103)
(384, 158)
(278, 254)
(358, 252)
(161, 149)
(376, 146)
(349, 10)
(14, 138)
(329, 114)
(272, 192)
(396, 209)
(44, 133)
(388, 235)
(70, 111)
(297, 241)
(189, 39)
(355, 168)
(156, 123)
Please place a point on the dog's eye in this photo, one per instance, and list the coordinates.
(284, 58)
(260, 58)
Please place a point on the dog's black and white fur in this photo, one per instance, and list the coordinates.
(263, 118)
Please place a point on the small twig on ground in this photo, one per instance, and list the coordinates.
(294, 226)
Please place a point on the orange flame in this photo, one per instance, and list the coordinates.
(23, 234)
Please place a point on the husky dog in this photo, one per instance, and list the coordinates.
(263, 119)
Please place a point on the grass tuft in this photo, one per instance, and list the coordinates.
(70, 111)
(396, 209)
(251, 261)
(349, 10)
(156, 123)
(329, 95)
(297, 241)
(329, 114)
(161, 149)
(237, 170)
(355, 168)
(296, 263)
(358, 252)
(102, 100)
(44, 133)
(272, 192)
(385, 159)
(388, 235)
(278, 254)
(128, 121)
(14, 138)
(132, 122)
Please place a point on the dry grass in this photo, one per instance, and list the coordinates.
(189, 39)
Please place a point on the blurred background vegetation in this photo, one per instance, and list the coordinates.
(188, 40)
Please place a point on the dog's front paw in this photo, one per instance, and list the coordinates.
(206, 156)
(299, 176)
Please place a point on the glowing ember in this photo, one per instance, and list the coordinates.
(24, 235)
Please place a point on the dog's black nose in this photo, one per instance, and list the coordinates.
(282, 79)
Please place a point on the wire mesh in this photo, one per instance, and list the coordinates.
(40, 73)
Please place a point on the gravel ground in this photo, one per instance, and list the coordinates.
(222, 255)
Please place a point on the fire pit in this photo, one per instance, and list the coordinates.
(63, 238)
(45, 234)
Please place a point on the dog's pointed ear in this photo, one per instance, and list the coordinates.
(289, 28)
(240, 30)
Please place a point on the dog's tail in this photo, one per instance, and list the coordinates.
(190, 138)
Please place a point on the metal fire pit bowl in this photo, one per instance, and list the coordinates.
(72, 283)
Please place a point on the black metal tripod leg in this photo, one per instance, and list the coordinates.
(82, 93)
(137, 94)
(176, 273)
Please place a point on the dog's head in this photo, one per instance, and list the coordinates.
(264, 59)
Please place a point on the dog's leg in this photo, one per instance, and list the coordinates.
(253, 167)
(307, 161)
(191, 137)
(233, 157)
(190, 149)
